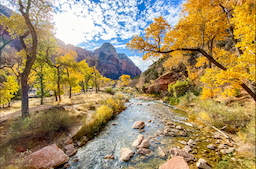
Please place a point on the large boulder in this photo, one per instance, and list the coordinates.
(138, 125)
(178, 152)
(126, 154)
(175, 163)
(47, 157)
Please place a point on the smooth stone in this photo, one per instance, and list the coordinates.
(161, 152)
(177, 162)
(178, 152)
(202, 163)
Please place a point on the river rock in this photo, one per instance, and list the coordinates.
(126, 154)
(137, 142)
(138, 125)
(143, 151)
(211, 146)
(172, 134)
(188, 124)
(187, 148)
(182, 142)
(47, 157)
(227, 151)
(217, 136)
(70, 150)
(191, 142)
(179, 127)
(144, 144)
(66, 165)
(183, 134)
(175, 163)
(169, 123)
(161, 152)
(202, 163)
(69, 141)
(178, 152)
(109, 157)
(20, 149)
(222, 146)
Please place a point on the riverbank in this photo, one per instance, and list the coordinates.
(232, 117)
(55, 124)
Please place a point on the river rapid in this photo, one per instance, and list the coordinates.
(118, 133)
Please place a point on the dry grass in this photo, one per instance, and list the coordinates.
(16, 130)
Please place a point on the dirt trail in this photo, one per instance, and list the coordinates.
(15, 110)
(16, 114)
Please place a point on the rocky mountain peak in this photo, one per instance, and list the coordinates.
(108, 48)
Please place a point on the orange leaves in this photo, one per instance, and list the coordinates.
(153, 41)
(125, 80)
(203, 24)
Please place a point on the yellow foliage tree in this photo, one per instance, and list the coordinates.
(125, 80)
(32, 22)
(8, 89)
(202, 25)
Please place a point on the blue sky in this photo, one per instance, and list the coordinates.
(90, 23)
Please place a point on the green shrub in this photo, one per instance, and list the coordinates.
(110, 91)
(234, 117)
(43, 122)
(91, 106)
(46, 93)
(156, 74)
(174, 101)
(98, 120)
(103, 114)
(179, 88)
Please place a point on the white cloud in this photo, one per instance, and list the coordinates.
(142, 64)
(87, 20)
(120, 46)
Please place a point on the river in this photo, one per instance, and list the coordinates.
(114, 137)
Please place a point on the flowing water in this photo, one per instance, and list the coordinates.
(114, 137)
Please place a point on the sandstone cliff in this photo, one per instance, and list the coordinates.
(112, 64)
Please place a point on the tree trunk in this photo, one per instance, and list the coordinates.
(55, 94)
(86, 86)
(42, 88)
(24, 95)
(58, 81)
(83, 86)
(70, 91)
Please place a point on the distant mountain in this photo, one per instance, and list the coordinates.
(112, 64)
(107, 61)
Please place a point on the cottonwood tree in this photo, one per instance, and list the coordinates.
(63, 59)
(87, 73)
(32, 23)
(203, 24)
(8, 88)
(125, 80)
(46, 48)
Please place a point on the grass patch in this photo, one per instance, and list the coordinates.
(91, 106)
(234, 118)
(43, 122)
(99, 119)
(110, 91)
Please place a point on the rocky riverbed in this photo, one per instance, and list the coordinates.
(147, 135)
